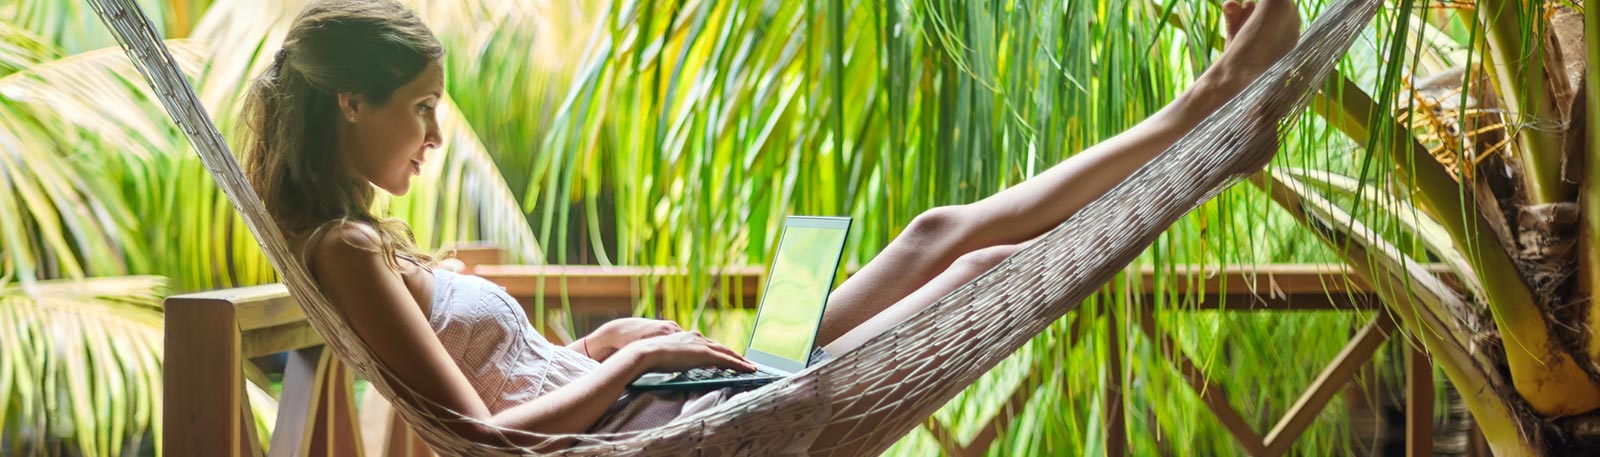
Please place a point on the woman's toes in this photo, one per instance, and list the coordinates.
(1232, 18)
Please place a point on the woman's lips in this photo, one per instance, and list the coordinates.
(416, 167)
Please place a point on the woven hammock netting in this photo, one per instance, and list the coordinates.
(869, 398)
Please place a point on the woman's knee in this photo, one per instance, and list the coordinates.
(935, 224)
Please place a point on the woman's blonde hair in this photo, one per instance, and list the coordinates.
(366, 47)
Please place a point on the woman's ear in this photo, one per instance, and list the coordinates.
(350, 106)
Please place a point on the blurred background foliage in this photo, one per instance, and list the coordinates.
(657, 132)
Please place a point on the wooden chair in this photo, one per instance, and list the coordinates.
(212, 336)
(210, 339)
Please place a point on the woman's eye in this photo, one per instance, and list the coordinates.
(425, 107)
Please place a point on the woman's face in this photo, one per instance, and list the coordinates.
(387, 144)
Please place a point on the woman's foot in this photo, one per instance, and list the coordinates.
(1259, 33)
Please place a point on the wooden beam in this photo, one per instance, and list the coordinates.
(1419, 402)
(583, 281)
(316, 411)
(249, 442)
(1245, 286)
(297, 404)
(1214, 398)
(474, 254)
(256, 306)
(272, 340)
(203, 375)
(1344, 366)
(271, 321)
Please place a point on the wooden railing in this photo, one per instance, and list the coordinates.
(211, 336)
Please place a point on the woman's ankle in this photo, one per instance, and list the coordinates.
(1209, 92)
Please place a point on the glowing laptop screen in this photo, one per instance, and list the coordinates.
(797, 288)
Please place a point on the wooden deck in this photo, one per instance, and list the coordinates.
(211, 335)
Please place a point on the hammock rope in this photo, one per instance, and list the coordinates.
(935, 354)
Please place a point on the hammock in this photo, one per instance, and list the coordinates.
(940, 350)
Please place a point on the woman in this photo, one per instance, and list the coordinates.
(348, 106)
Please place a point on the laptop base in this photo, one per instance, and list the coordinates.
(702, 379)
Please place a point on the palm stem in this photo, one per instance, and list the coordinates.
(1515, 30)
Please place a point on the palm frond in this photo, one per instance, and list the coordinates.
(82, 360)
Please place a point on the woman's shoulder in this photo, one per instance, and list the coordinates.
(347, 261)
(341, 247)
(347, 237)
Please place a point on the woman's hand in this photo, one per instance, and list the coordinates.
(683, 351)
(616, 334)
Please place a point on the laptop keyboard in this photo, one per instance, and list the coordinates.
(707, 374)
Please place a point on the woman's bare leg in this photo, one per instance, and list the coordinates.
(935, 239)
(948, 247)
(964, 269)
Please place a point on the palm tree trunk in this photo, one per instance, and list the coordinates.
(1589, 191)
(1422, 312)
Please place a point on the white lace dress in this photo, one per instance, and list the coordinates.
(509, 363)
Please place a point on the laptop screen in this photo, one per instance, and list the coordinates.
(797, 287)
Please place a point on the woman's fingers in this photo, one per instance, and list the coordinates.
(725, 350)
(733, 361)
(667, 328)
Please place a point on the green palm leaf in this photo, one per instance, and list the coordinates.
(81, 364)
(85, 149)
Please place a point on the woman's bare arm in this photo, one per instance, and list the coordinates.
(351, 271)
(618, 333)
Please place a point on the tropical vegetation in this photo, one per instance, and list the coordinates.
(646, 132)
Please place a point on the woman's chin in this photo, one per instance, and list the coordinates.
(398, 189)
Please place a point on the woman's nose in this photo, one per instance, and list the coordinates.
(432, 138)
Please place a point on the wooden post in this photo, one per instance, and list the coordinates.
(384, 433)
(1477, 445)
(200, 412)
(1419, 401)
(316, 412)
(1116, 422)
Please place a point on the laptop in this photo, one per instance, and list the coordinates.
(790, 312)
